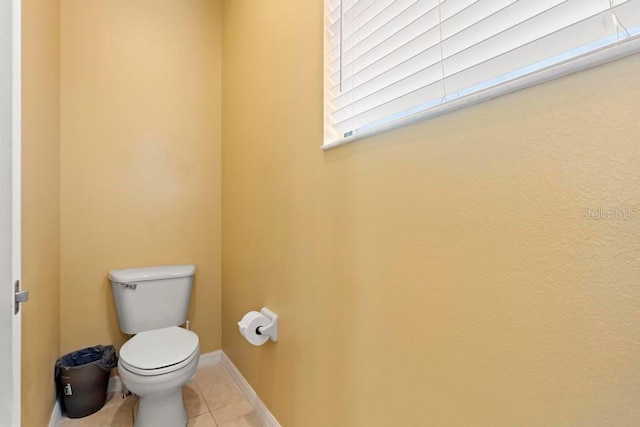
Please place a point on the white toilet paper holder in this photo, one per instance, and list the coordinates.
(271, 330)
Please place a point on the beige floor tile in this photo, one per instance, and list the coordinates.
(213, 390)
(113, 416)
(237, 414)
(194, 403)
(210, 370)
(205, 420)
(115, 399)
(134, 408)
(217, 387)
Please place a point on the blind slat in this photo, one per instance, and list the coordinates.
(356, 37)
(496, 17)
(507, 39)
(351, 13)
(425, 53)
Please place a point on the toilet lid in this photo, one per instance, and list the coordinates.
(159, 348)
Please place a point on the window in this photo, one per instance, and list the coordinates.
(388, 63)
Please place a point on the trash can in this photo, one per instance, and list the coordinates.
(82, 377)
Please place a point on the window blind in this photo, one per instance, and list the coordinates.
(392, 62)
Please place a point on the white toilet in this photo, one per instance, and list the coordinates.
(161, 357)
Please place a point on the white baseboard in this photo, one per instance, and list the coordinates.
(207, 359)
(252, 397)
(56, 414)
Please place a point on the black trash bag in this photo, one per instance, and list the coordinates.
(82, 378)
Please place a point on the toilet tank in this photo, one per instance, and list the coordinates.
(152, 297)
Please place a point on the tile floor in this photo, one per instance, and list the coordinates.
(212, 400)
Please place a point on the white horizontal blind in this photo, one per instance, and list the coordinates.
(389, 60)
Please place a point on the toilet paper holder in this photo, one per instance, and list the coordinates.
(271, 330)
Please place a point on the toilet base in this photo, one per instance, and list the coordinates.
(161, 403)
(163, 409)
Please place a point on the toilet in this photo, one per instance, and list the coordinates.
(160, 357)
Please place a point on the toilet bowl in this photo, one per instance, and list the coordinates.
(161, 357)
(155, 365)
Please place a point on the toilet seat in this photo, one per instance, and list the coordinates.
(159, 351)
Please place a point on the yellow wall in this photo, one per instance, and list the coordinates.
(140, 156)
(40, 206)
(440, 274)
